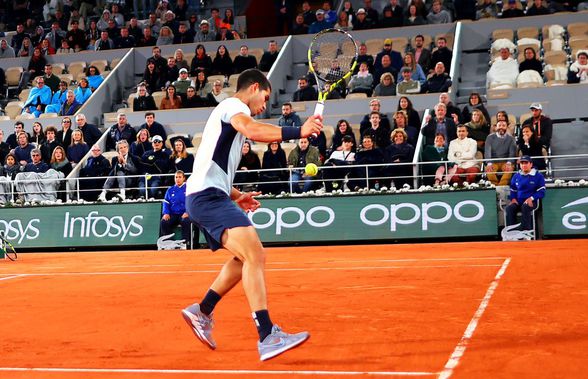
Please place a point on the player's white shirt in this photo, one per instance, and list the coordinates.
(219, 152)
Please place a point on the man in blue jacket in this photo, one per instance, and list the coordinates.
(526, 188)
(174, 210)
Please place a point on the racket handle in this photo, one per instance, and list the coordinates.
(318, 110)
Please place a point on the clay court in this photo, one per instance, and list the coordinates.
(459, 310)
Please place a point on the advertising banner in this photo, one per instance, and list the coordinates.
(565, 211)
(82, 225)
(378, 217)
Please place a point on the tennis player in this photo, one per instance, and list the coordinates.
(217, 208)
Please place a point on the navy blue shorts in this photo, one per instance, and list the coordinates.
(214, 212)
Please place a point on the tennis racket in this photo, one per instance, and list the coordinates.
(332, 57)
(7, 249)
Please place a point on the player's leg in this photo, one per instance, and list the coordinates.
(244, 243)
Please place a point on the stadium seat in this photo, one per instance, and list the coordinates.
(374, 46)
(578, 43)
(75, 68)
(288, 147)
(528, 32)
(298, 106)
(233, 80)
(58, 68)
(358, 95)
(131, 100)
(577, 29)
(100, 64)
(157, 97)
(555, 58)
(174, 136)
(329, 132)
(4, 118)
(12, 75)
(524, 117)
(399, 44)
(13, 109)
(68, 78)
(448, 36)
(48, 115)
(257, 53)
(259, 149)
(114, 63)
(503, 33)
(192, 150)
(197, 139)
(213, 78)
(24, 94)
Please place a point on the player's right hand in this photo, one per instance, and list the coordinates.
(312, 126)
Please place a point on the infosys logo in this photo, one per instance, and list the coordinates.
(575, 220)
(17, 230)
(93, 225)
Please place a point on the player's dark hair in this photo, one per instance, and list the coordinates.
(252, 76)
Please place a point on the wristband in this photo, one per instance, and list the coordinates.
(290, 132)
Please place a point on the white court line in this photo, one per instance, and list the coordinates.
(13, 277)
(219, 372)
(469, 332)
(267, 270)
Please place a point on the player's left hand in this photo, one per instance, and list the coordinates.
(247, 202)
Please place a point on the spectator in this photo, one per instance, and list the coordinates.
(76, 36)
(438, 15)
(308, 14)
(22, 152)
(59, 97)
(244, 61)
(92, 35)
(367, 155)
(330, 14)
(478, 128)
(422, 55)
(452, 110)
(115, 14)
(78, 148)
(289, 117)
(392, 15)
(414, 120)
(18, 37)
(377, 130)
(104, 43)
(39, 97)
(112, 30)
(83, 91)
(152, 77)
(119, 131)
(35, 163)
(215, 19)
(542, 125)
(4, 148)
(166, 36)
(486, 9)
(339, 164)
(269, 57)
(6, 51)
(154, 127)
(439, 124)
(38, 136)
(386, 87)
(155, 162)
(304, 91)
(125, 40)
(320, 23)
(232, 22)
(51, 80)
(56, 35)
(171, 99)
(183, 82)
(413, 17)
(201, 61)
(400, 119)
(537, 9)
(362, 81)
(180, 158)
(366, 123)
(153, 24)
(12, 139)
(299, 157)
(435, 172)
(160, 62)
(512, 10)
(64, 135)
(406, 84)
(96, 167)
(578, 71)
(531, 62)
(341, 130)
(202, 86)
(417, 72)
(247, 175)
(91, 133)
(46, 48)
(60, 163)
(192, 100)
(143, 101)
(343, 22)
(147, 38)
(135, 29)
(474, 102)
(174, 210)
(399, 153)
(181, 62)
(528, 144)
(11, 166)
(462, 153)
(49, 143)
(142, 144)
(395, 57)
(274, 158)
(526, 189)
(222, 63)
(386, 67)
(443, 54)
(26, 49)
(439, 81)
(362, 57)
(184, 35)
(205, 34)
(216, 95)
(65, 48)
(123, 167)
(35, 68)
(70, 106)
(501, 146)
(171, 72)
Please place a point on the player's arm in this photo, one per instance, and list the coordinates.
(245, 200)
(264, 132)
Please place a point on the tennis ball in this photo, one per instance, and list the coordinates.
(311, 169)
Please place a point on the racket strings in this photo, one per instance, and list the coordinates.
(333, 55)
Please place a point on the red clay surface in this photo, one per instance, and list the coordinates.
(372, 311)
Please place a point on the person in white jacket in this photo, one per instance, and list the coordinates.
(504, 71)
(462, 152)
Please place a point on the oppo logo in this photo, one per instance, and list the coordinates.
(317, 217)
(378, 214)
(15, 230)
(95, 226)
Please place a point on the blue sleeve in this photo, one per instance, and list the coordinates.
(166, 202)
(540, 192)
(420, 74)
(513, 188)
